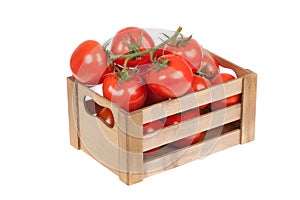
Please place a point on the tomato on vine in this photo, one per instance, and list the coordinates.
(131, 40)
(125, 89)
(209, 67)
(187, 48)
(171, 76)
(88, 63)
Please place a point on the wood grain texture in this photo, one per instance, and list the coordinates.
(130, 135)
(73, 112)
(239, 71)
(182, 156)
(248, 108)
(189, 101)
(193, 126)
(96, 138)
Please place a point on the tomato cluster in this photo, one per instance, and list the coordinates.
(134, 72)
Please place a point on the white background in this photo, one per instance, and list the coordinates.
(36, 41)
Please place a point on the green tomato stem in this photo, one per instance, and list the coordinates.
(149, 51)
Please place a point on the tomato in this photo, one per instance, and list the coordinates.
(92, 107)
(143, 69)
(129, 94)
(205, 110)
(88, 63)
(199, 83)
(188, 140)
(190, 50)
(106, 115)
(173, 119)
(209, 66)
(151, 127)
(171, 79)
(131, 40)
(177, 118)
(207, 58)
(229, 100)
(153, 98)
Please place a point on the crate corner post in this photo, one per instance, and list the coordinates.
(72, 112)
(130, 139)
(248, 108)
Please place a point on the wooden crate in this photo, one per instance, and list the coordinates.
(121, 148)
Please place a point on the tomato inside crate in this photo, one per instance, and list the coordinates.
(124, 149)
(210, 134)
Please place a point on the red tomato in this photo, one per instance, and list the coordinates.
(128, 94)
(153, 98)
(205, 110)
(88, 63)
(191, 51)
(229, 100)
(106, 115)
(91, 107)
(188, 140)
(143, 69)
(172, 80)
(151, 127)
(173, 119)
(209, 66)
(199, 83)
(131, 40)
(177, 118)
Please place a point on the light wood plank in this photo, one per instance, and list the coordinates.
(170, 107)
(191, 127)
(227, 64)
(248, 108)
(194, 152)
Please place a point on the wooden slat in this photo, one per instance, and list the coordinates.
(212, 133)
(193, 126)
(73, 112)
(248, 108)
(185, 155)
(170, 107)
(227, 64)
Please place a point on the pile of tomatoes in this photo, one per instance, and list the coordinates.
(135, 72)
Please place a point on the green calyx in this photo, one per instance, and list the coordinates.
(202, 72)
(135, 54)
(124, 74)
(179, 41)
(160, 64)
(133, 46)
